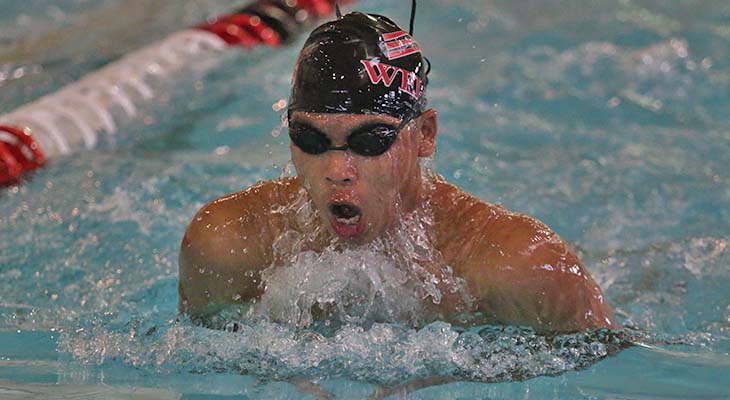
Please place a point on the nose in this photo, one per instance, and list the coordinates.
(340, 168)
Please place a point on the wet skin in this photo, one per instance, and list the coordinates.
(517, 269)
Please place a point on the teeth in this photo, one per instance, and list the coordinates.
(349, 221)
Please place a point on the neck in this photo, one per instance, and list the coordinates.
(416, 191)
(415, 216)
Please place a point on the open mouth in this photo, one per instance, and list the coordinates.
(348, 214)
(347, 220)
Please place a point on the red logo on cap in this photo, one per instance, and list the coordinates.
(398, 44)
(379, 72)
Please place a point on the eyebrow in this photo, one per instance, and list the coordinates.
(359, 127)
(305, 124)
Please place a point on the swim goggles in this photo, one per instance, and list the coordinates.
(370, 140)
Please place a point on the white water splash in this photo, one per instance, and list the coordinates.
(399, 277)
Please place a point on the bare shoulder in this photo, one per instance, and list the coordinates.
(520, 270)
(227, 243)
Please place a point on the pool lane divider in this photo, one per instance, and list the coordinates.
(70, 119)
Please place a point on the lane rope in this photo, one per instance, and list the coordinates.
(19, 152)
(70, 119)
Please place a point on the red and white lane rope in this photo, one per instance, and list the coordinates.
(71, 119)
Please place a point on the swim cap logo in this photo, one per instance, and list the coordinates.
(398, 44)
(380, 72)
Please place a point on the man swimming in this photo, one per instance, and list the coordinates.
(359, 128)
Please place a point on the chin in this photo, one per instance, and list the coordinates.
(355, 235)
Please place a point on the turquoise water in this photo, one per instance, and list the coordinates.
(607, 121)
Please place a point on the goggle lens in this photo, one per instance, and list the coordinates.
(369, 141)
(310, 141)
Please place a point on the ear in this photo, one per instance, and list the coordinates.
(428, 123)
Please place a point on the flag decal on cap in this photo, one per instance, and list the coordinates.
(398, 44)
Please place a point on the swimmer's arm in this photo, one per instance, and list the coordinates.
(527, 275)
(221, 256)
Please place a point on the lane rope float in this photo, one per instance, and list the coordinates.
(70, 119)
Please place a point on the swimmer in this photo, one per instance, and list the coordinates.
(359, 127)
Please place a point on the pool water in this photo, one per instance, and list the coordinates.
(607, 121)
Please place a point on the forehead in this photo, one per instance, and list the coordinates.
(337, 122)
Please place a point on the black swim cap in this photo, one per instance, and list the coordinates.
(360, 64)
